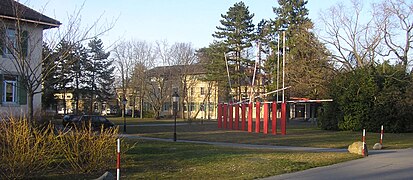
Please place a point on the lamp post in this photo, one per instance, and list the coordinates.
(124, 101)
(175, 100)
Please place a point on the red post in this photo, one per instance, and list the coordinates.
(250, 107)
(381, 135)
(257, 117)
(225, 115)
(363, 152)
(219, 115)
(274, 118)
(283, 118)
(243, 116)
(266, 118)
(236, 117)
(230, 115)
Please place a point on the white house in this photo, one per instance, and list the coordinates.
(21, 37)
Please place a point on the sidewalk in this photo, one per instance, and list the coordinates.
(251, 146)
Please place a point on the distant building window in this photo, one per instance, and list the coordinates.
(202, 91)
(192, 91)
(166, 107)
(192, 106)
(10, 90)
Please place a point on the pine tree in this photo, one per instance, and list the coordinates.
(237, 34)
(307, 68)
(98, 73)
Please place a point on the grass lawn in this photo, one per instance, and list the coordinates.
(297, 135)
(169, 160)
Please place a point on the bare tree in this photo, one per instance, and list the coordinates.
(354, 41)
(394, 18)
(133, 58)
(25, 49)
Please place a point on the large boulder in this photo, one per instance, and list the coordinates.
(106, 176)
(357, 148)
(377, 146)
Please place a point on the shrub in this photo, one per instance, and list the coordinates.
(368, 98)
(32, 150)
(25, 150)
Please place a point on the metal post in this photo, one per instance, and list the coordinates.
(175, 112)
(124, 118)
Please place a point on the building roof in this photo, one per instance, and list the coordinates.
(13, 10)
(193, 69)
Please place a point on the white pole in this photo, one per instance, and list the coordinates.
(118, 161)
(283, 66)
(278, 63)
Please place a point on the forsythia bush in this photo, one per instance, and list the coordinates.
(30, 150)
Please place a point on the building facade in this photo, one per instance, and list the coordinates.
(21, 38)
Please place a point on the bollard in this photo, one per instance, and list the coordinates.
(283, 118)
(236, 117)
(225, 115)
(118, 161)
(243, 116)
(381, 135)
(257, 117)
(219, 115)
(250, 107)
(230, 116)
(364, 151)
(266, 118)
(274, 118)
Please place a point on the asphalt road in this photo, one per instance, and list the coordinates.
(383, 164)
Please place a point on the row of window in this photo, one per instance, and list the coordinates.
(191, 107)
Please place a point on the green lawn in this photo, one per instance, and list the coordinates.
(169, 160)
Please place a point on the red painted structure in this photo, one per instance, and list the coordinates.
(250, 107)
(219, 115)
(236, 127)
(283, 118)
(225, 114)
(257, 116)
(230, 116)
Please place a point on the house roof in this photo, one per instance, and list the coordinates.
(193, 69)
(13, 10)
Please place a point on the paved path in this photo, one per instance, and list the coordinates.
(385, 164)
(380, 164)
(252, 146)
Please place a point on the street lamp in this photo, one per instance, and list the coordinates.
(175, 100)
(124, 101)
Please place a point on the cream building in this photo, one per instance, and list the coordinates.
(21, 37)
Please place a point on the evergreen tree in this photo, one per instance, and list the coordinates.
(307, 68)
(98, 73)
(48, 77)
(237, 34)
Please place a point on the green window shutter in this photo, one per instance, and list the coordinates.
(25, 43)
(22, 92)
(1, 88)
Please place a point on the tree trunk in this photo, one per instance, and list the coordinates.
(30, 106)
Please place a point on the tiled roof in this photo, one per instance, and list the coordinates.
(10, 9)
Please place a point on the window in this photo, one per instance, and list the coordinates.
(10, 42)
(202, 91)
(192, 106)
(10, 90)
(165, 106)
(192, 91)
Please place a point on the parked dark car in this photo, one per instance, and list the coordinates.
(96, 122)
(70, 120)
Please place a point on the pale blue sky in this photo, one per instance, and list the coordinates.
(173, 20)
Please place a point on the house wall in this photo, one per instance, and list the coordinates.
(34, 58)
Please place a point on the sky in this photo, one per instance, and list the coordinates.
(188, 21)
